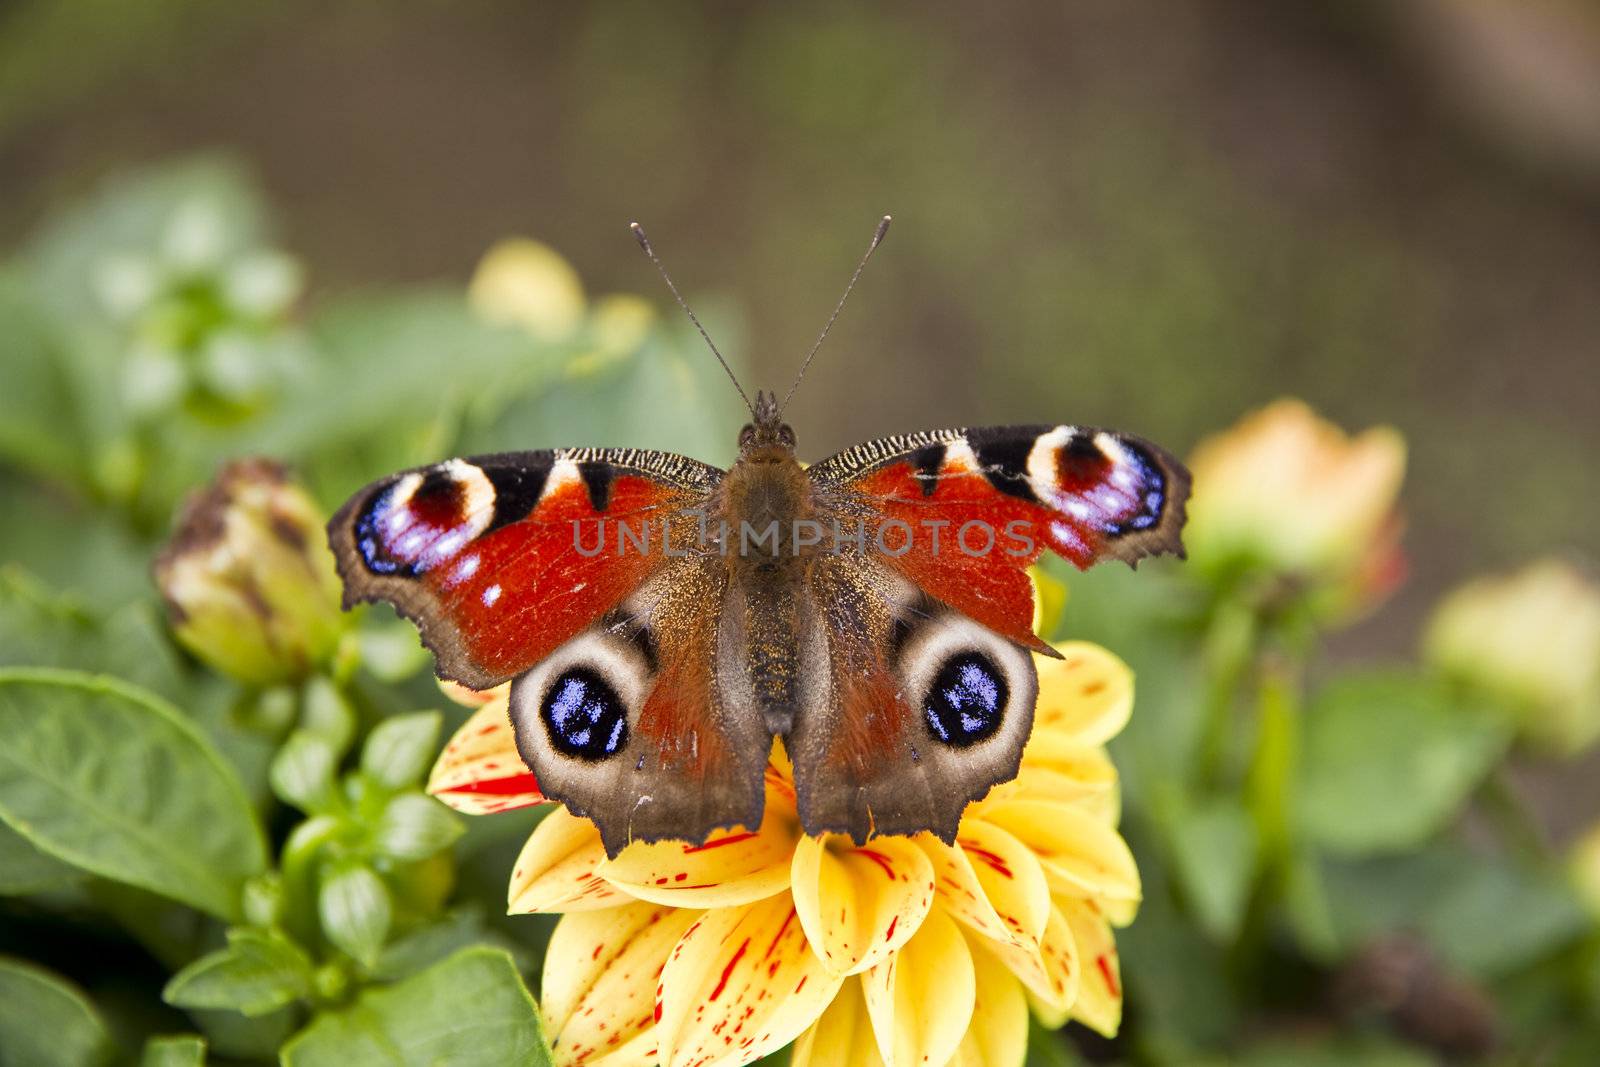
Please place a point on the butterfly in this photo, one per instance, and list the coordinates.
(662, 620)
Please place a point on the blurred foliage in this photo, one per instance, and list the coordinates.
(208, 862)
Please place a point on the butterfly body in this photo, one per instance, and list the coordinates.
(662, 621)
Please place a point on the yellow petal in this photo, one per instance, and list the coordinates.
(1086, 769)
(857, 905)
(1118, 913)
(920, 999)
(1086, 696)
(558, 869)
(472, 698)
(997, 889)
(740, 984)
(1011, 876)
(1051, 971)
(479, 771)
(998, 1034)
(600, 975)
(1099, 1002)
(732, 867)
(1081, 855)
(843, 1037)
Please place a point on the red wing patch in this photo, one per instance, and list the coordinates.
(963, 513)
(501, 559)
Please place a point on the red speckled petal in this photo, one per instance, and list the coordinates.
(558, 869)
(859, 904)
(1051, 972)
(732, 867)
(1099, 1002)
(479, 771)
(741, 984)
(1081, 855)
(921, 998)
(992, 883)
(1085, 696)
(600, 976)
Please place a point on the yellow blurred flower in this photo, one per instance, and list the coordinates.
(1289, 492)
(248, 580)
(1532, 640)
(903, 951)
(1583, 863)
(524, 283)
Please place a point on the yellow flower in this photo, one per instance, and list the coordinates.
(1584, 866)
(248, 580)
(1288, 491)
(528, 284)
(1532, 640)
(903, 951)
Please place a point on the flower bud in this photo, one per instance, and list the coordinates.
(1531, 641)
(527, 284)
(1286, 492)
(248, 581)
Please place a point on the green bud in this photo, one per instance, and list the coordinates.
(248, 581)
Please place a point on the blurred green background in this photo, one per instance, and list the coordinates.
(1154, 216)
(1150, 215)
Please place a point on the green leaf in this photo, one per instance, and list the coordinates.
(470, 1009)
(40, 627)
(1483, 916)
(46, 1022)
(258, 973)
(399, 749)
(355, 909)
(326, 711)
(423, 948)
(414, 826)
(1214, 860)
(302, 773)
(1388, 761)
(181, 1050)
(111, 779)
(37, 412)
(1499, 917)
(24, 869)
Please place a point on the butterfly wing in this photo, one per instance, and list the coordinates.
(962, 513)
(500, 559)
(923, 710)
(577, 574)
(931, 690)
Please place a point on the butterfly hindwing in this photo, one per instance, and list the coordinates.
(923, 710)
(497, 558)
(631, 722)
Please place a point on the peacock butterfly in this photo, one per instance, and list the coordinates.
(662, 620)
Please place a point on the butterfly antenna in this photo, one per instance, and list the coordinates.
(644, 243)
(877, 239)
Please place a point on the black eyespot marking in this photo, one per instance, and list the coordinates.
(516, 491)
(966, 701)
(1004, 460)
(597, 476)
(584, 716)
(926, 463)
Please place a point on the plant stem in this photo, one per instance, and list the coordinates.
(1230, 646)
(1515, 823)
